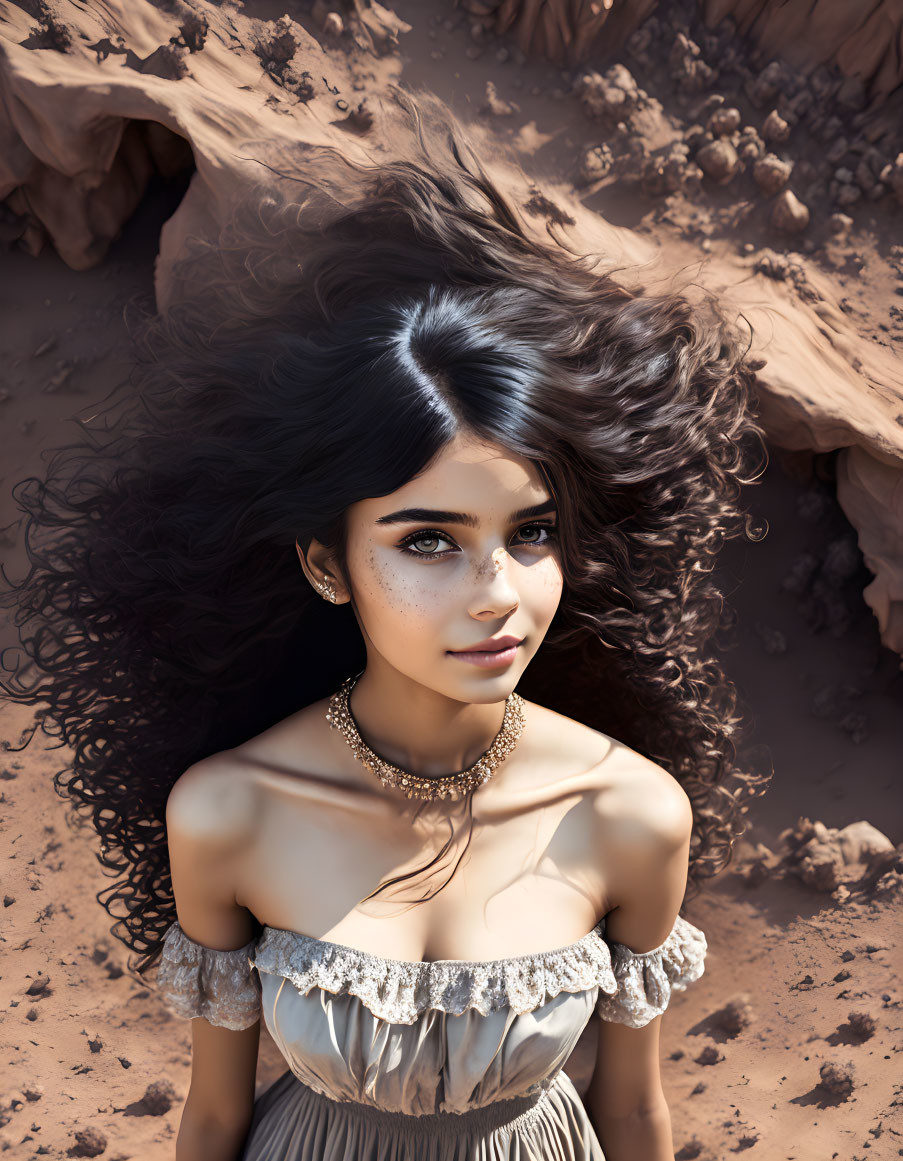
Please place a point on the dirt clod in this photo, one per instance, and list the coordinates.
(789, 214)
(836, 1079)
(719, 161)
(775, 128)
(771, 174)
(863, 1024)
(736, 1015)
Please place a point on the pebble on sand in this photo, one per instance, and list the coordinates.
(719, 161)
(771, 174)
(735, 1015)
(837, 1079)
(789, 214)
(725, 121)
(774, 127)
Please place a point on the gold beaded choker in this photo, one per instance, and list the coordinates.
(452, 786)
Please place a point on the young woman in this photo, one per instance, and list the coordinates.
(392, 491)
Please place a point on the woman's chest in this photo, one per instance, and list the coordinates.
(511, 883)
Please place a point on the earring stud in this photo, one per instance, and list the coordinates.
(327, 591)
(324, 589)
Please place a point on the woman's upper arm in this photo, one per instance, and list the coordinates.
(645, 844)
(208, 815)
(647, 840)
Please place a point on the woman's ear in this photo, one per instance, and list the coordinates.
(318, 566)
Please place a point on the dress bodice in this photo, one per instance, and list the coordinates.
(424, 1037)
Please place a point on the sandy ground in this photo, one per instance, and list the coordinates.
(788, 1047)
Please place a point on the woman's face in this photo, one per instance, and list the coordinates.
(466, 567)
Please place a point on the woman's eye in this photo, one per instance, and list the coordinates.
(544, 526)
(426, 541)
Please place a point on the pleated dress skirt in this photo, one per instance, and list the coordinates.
(291, 1122)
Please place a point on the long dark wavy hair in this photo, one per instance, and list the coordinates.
(322, 350)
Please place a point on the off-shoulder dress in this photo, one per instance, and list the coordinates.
(448, 1060)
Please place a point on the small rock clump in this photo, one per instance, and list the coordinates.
(764, 89)
(837, 151)
(277, 49)
(789, 214)
(326, 18)
(775, 128)
(758, 866)
(843, 189)
(861, 842)
(670, 170)
(193, 31)
(736, 1015)
(689, 71)
(50, 32)
(89, 1142)
(725, 121)
(159, 1097)
(836, 1079)
(718, 160)
(771, 174)
(594, 164)
(279, 46)
(862, 1024)
(889, 887)
(166, 62)
(750, 146)
(38, 986)
(868, 172)
(824, 857)
(608, 97)
(333, 24)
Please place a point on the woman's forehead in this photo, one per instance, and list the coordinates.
(486, 483)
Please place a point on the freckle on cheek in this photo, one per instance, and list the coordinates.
(380, 574)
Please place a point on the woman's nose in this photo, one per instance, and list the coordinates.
(496, 592)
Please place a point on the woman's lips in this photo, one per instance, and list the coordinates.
(488, 659)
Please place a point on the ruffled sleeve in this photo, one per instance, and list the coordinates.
(645, 980)
(194, 980)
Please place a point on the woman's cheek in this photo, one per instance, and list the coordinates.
(398, 587)
(549, 581)
(383, 583)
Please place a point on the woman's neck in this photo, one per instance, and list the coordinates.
(418, 729)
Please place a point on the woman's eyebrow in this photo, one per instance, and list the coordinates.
(440, 516)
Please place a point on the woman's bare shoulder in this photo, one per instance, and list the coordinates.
(300, 748)
(563, 744)
(627, 790)
(220, 795)
(211, 801)
(569, 747)
(641, 808)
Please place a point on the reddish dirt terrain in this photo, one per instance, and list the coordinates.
(671, 143)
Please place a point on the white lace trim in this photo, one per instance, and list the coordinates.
(647, 979)
(399, 991)
(634, 987)
(194, 980)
